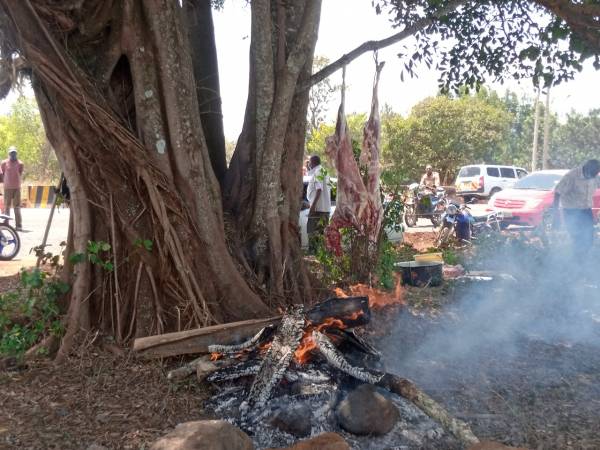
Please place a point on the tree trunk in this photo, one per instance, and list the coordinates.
(129, 95)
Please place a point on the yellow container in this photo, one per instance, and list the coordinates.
(429, 257)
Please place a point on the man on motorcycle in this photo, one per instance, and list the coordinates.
(430, 179)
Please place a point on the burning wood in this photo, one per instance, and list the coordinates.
(278, 357)
(297, 339)
(353, 311)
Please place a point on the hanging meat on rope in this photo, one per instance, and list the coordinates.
(358, 202)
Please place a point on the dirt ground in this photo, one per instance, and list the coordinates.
(420, 240)
(97, 399)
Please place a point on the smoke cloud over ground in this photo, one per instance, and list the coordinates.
(521, 350)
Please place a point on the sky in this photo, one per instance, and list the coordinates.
(345, 24)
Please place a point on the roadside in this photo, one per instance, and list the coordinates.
(34, 224)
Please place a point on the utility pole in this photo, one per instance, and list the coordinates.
(536, 127)
(545, 155)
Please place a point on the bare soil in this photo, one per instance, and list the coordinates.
(420, 240)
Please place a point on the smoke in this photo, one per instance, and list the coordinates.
(545, 295)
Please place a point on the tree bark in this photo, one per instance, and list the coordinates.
(129, 95)
(206, 72)
(122, 115)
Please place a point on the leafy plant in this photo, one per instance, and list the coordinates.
(451, 258)
(333, 269)
(143, 243)
(385, 265)
(30, 312)
(98, 253)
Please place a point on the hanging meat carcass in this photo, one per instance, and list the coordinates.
(358, 202)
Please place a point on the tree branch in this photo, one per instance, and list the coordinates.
(376, 45)
(581, 18)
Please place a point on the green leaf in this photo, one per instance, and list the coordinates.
(76, 258)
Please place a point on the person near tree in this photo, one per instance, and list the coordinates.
(574, 194)
(12, 172)
(319, 198)
(430, 179)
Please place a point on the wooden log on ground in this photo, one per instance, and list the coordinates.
(429, 406)
(198, 340)
(351, 311)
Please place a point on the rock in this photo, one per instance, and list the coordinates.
(295, 420)
(366, 411)
(325, 441)
(204, 435)
(490, 445)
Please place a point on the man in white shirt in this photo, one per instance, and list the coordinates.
(575, 193)
(319, 198)
(430, 179)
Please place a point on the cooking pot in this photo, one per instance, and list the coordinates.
(421, 273)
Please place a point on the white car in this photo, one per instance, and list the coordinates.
(393, 235)
(484, 180)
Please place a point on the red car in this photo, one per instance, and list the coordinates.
(528, 201)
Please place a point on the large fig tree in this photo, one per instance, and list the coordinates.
(164, 235)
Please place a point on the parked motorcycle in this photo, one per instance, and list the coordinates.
(458, 221)
(424, 202)
(10, 243)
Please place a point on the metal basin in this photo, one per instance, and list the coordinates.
(420, 273)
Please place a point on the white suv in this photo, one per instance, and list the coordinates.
(485, 180)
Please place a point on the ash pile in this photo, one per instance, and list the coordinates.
(311, 373)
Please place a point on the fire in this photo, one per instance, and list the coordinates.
(264, 347)
(215, 356)
(377, 298)
(307, 344)
(339, 293)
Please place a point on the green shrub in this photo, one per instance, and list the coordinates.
(30, 312)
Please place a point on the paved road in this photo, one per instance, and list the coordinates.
(34, 225)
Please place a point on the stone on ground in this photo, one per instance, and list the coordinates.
(366, 411)
(204, 435)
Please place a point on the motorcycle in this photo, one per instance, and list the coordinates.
(458, 221)
(424, 202)
(10, 243)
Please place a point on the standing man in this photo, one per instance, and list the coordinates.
(575, 193)
(12, 171)
(430, 179)
(319, 198)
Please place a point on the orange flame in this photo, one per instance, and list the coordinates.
(377, 297)
(215, 356)
(307, 344)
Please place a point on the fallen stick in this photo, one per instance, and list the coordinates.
(429, 406)
(197, 341)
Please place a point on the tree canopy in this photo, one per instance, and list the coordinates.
(546, 40)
